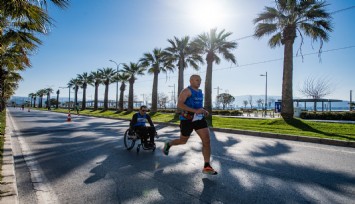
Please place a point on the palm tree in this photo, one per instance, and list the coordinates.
(211, 44)
(181, 52)
(21, 21)
(96, 80)
(58, 92)
(84, 79)
(133, 70)
(122, 77)
(75, 83)
(48, 92)
(156, 62)
(31, 95)
(40, 93)
(305, 17)
(108, 75)
(10, 84)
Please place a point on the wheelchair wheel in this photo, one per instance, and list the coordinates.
(128, 142)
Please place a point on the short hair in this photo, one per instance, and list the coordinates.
(143, 106)
(195, 75)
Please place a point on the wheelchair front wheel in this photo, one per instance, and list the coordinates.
(128, 142)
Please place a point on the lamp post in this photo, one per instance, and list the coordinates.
(174, 95)
(117, 64)
(69, 96)
(265, 105)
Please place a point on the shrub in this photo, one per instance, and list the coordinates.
(328, 115)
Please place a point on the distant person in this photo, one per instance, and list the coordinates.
(193, 118)
(22, 107)
(138, 124)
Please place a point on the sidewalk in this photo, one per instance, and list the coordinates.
(8, 187)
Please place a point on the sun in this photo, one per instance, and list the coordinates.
(207, 14)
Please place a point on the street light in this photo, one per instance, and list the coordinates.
(174, 95)
(69, 96)
(117, 64)
(265, 105)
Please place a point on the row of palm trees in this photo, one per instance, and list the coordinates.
(21, 23)
(287, 20)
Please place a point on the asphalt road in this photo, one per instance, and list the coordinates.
(84, 161)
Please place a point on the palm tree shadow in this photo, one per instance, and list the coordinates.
(127, 112)
(299, 124)
(175, 119)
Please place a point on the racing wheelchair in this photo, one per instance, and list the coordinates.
(130, 139)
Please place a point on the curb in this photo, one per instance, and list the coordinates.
(8, 186)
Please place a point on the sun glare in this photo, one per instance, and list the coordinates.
(207, 14)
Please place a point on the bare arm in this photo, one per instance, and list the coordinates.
(185, 93)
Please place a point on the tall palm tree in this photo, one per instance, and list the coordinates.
(108, 75)
(84, 80)
(156, 62)
(31, 95)
(181, 52)
(284, 22)
(75, 83)
(122, 77)
(212, 44)
(40, 93)
(57, 92)
(96, 80)
(133, 70)
(20, 22)
(48, 92)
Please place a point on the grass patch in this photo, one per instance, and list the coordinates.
(299, 127)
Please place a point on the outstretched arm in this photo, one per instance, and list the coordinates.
(150, 121)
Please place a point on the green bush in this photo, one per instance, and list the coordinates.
(224, 112)
(328, 115)
(236, 113)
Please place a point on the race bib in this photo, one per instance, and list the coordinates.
(197, 117)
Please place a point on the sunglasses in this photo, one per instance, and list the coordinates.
(144, 110)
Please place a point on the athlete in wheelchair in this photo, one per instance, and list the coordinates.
(138, 130)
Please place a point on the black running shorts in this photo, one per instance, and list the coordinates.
(187, 126)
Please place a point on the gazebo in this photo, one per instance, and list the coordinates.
(313, 100)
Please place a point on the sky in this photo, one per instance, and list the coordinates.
(88, 34)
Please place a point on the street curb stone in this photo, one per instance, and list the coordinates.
(8, 186)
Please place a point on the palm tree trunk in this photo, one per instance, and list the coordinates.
(49, 101)
(76, 95)
(155, 93)
(208, 89)
(120, 103)
(106, 97)
(96, 96)
(83, 105)
(181, 79)
(130, 96)
(57, 101)
(287, 95)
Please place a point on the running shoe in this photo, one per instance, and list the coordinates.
(166, 148)
(209, 170)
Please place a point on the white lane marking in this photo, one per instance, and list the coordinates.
(44, 193)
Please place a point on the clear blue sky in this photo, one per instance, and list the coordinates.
(90, 33)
